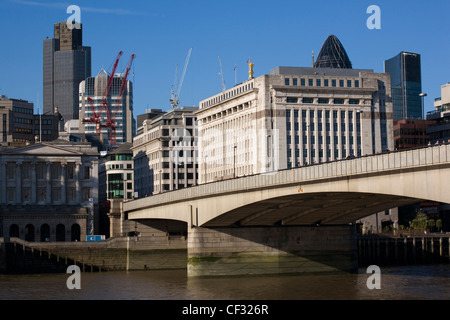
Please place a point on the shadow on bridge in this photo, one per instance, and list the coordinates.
(335, 208)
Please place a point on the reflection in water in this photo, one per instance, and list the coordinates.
(406, 282)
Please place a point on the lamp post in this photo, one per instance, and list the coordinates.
(269, 150)
(234, 169)
(160, 181)
(308, 132)
(205, 167)
(423, 95)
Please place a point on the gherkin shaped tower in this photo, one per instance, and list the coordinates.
(332, 55)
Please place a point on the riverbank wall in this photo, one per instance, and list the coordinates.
(117, 254)
(141, 253)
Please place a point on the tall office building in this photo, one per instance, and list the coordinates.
(66, 63)
(121, 111)
(406, 84)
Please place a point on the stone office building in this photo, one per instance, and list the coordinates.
(165, 153)
(48, 191)
(295, 116)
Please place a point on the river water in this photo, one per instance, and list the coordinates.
(401, 282)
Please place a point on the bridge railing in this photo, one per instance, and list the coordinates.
(413, 158)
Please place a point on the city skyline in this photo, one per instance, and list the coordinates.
(161, 34)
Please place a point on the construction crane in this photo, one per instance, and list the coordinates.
(176, 88)
(96, 116)
(221, 75)
(111, 122)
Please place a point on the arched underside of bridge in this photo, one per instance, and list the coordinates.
(334, 208)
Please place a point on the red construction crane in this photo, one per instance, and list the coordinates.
(111, 122)
(96, 116)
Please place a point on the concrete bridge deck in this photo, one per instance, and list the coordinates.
(333, 193)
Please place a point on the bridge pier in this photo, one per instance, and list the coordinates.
(228, 251)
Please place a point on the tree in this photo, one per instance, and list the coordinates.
(420, 221)
(431, 223)
(439, 224)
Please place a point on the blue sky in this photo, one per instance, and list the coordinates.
(270, 33)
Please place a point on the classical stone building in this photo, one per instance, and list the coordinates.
(292, 117)
(48, 191)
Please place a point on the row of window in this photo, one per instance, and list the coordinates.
(23, 110)
(322, 82)
(320, 114)
(320, 140)
(23, 120)
(44, 132)
(311, 127)
(119, 166)
(228, 94)
(41, 171)
(313, 156)
(321, 100)
(189, 175)
(41, 194)
(23, 130)
(44, 122)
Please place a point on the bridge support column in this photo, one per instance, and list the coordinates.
(227, 251)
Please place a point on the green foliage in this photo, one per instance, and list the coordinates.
(439, 224)
(420, 221)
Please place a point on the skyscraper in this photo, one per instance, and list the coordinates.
(120, 107)
(406, 84)
(66, 63)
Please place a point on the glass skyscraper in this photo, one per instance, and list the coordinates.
(406, 84)
(66, 62)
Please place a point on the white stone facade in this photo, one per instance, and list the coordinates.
(165, 153)
(294, 117)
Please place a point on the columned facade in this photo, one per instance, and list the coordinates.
(49, 187)
(294, 117)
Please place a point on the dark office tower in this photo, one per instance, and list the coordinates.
(332, 55)
(66, 64)
(406, 84)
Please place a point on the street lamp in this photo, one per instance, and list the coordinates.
(269, 150)
(205, 167)
(235, 148)
(423, 95)
(308, 132)
(160, 181)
